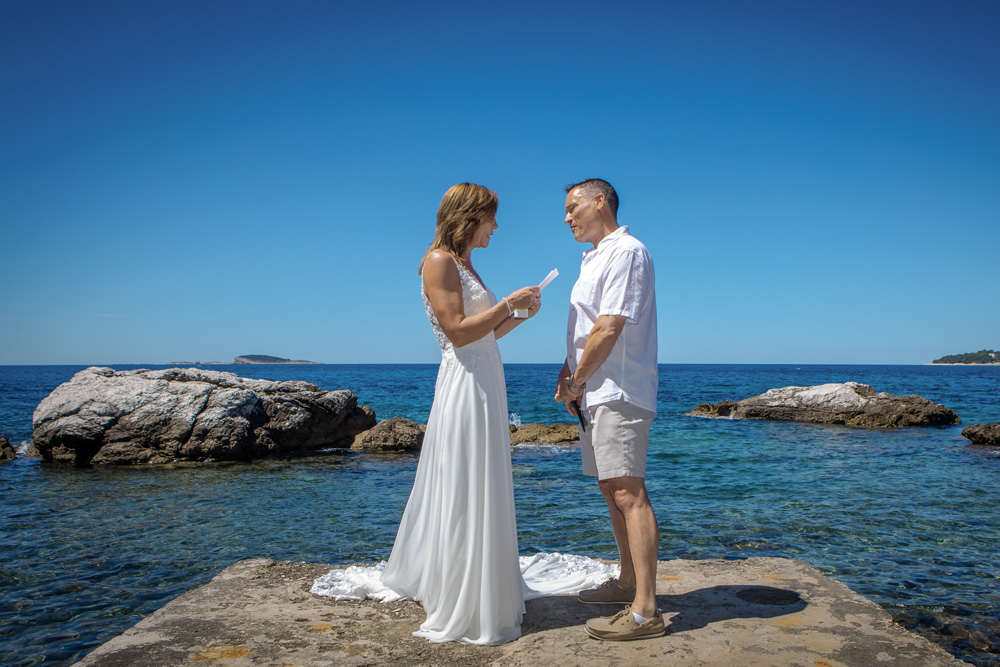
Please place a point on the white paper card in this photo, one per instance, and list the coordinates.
(522, 313)
(549, 278)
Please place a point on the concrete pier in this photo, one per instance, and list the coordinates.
(757, 612)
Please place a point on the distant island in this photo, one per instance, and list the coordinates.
(267, 359)
(981, 357)
(244, 359)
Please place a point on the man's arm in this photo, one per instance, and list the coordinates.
(600, 341)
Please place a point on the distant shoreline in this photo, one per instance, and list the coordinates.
(956, 363)
(246, 360)
(268, 363)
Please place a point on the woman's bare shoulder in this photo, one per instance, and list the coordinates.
(439, 268)
(440, 262)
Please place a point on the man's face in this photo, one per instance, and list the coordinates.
(582, 217)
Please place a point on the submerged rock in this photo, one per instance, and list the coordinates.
(849, 403)
(392, 435)
(7, 452)
(544, 434)
(984, 435)
(404, 435)
(102, 416)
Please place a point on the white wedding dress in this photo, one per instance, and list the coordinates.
(456, 549)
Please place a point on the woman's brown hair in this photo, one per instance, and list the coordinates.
(462, 208)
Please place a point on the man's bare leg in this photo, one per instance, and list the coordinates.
(642, 536)
(626, 578)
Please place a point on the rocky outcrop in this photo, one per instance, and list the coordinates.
(103, 416)
(392, 435)
(7, 452)
(544, 434)
(985, 435)
(850, 404)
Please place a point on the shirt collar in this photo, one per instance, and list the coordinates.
(609, 239)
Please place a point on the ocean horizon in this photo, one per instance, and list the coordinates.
(905, 517)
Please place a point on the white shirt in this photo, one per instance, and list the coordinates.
(616, 278)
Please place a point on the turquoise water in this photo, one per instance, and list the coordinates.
(907, 518)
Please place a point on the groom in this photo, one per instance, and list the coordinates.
(610, 381)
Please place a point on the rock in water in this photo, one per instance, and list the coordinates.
(185, 414)
(392, 435)
(849, 403)
(985, 435)
(7, 452)
(545, 434)
(401, 435)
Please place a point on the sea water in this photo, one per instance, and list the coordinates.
(908, 518)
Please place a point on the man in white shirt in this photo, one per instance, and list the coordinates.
(609, 380)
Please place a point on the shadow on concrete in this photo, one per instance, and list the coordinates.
(685, 612)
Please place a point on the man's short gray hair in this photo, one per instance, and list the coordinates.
(597, 186)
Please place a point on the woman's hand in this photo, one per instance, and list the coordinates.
(536, 305)
(531, 299)
(523, 298)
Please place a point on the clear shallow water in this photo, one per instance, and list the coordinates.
(907, 518)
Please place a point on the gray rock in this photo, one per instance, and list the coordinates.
(985, 435)
(102, 416)
(361, 419)
(849, 403)
(545, 434)
(7, 452)
(392, 435)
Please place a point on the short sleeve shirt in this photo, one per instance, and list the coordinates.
(616, 278)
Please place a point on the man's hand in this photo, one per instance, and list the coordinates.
(567, 395)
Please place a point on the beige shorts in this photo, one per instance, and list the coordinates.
(616, 440)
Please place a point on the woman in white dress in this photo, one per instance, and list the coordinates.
(456, 548)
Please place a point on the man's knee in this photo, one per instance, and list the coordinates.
(628, 493)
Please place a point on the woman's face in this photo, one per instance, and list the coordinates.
(481, 237)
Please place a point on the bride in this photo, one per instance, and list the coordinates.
(456, 549)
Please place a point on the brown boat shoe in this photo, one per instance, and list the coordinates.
(607, 593)
(622, 627)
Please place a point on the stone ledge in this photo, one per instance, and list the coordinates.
(755, 612)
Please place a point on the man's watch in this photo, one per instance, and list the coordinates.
(572, 385)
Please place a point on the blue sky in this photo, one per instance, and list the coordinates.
(818, 182)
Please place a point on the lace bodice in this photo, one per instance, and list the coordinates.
(476, 298)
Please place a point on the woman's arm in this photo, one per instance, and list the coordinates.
(512, 323)
(443, 287)
(506, 327)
